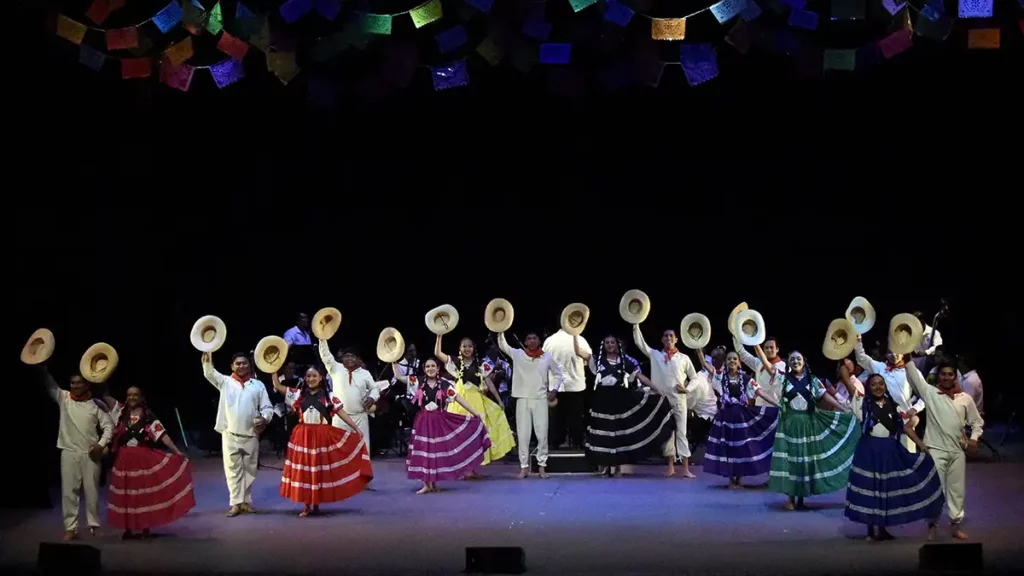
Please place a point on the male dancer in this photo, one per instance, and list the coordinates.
(570, 410)
(769, 379)
(242, 414)
(894, 372)
(81, 447)
(354, 385)
(671, 372)
(532, 387)
(949, 411)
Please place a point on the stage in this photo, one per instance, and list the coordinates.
(642, 523)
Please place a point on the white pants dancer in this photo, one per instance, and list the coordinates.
(952, 470)
(362, 419)
(241, 459)
(78, 473)
(677, 447)
(532, 413)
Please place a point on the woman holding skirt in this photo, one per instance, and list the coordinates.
(889, 485)
(625, 423)
(444, 445)
(324, 463)
(813, 448)
(473, 381)
(148, 487)
(742, 435)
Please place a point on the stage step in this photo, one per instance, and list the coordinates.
(564, 462)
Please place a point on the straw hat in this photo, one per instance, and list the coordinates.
(270, 354)
(574, 319)
(840, 339)
(861, 314)
(499, 314)
(732, 317)
(98, 363)
(695, 331)
(390, 346)
(208, 334)
(749, 328)
(443, 319)
(325, 323)
(39, 347)
(634, 306)
(905, 332)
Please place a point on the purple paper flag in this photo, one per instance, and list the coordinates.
(803, 19)
(555, 53)
(727, 9)
(292, 10)
(699, 63)
(227, 72)
(451, 39)
(168, 17)
(751, 12)
(537, 29)
(481, 5)
(453, 75)
(91, 57)
(329, 9)
(892, 6)
(617, 13)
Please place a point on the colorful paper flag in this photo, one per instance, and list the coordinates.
(848, 9)
(168, 18)
(727, 9)
(122, 38)
(481, 5)
(551, 53)
(896, 43)
(91, 57)
(261, 37)
(453, 75)
(178, 53)
(892, 6)
(136, 68)
(451, 39)
(491, 51)
(668, 28)
(292, 10)
(931, 12)
(98, 11)
(145, 46)
(70, 30)
(803, 19)
(845, 60)
(377, 24)
(537, 29)
(426, 13)
(227, 72)
(617, 13)
(983, 38)
(232, 46)
(699, 63)
(283, 65)
(215, 21)
(739, 36)
(937, 30)
(177, 77)
(329, 9)
(751, 12)
(976, 8)
(578, 5)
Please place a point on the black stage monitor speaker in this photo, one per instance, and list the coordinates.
(77, 559)
(965, 557)
(497, 560)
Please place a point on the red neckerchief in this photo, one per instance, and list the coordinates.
(772, 361)
(350, 371)
(86, 397)
(535, 354)
(899, 365)
(239, 380)
(669, 354)
(952, 392)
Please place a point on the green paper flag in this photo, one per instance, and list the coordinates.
(283, 65)
(377, 24)
(216, 21)
(578, 5)
(426, 13)
(261, 38)
(490, 51)
(840, 60)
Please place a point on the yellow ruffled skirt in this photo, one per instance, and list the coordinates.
(502, 441)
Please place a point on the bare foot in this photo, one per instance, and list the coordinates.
(734, 486)
(933, 532)
(544, 472)
(305, 512)
(523, 473)
(69, 535)
(688, 474)
(234, 511)
(93, 530)
(789, 505)
(423, 490)
(670, 472)
(247, 508)
(959, 534)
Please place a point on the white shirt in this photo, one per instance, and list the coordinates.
(946, 417)
(667, 373)
(311, 415)
(922, 346)
(353, 389)
(701, 397)
(895, 379)
(531, 377)
(610, 380)
(770, 385)
(79, 421)
(239, 404)
(971, 385)
(559, 346)
(295, 336)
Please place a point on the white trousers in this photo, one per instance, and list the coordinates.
(532, 415)
(952, 470)
(362, 419)
(241, 459)
(78, 473)
(677, 446)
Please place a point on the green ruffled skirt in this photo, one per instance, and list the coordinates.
(813, 452)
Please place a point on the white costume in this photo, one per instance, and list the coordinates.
(896, 383)
(701, 397)
(666, 373)
(79, 422)
(943, 436)
(770, 385)
(531, 381)
(353, 388)
(240, 404)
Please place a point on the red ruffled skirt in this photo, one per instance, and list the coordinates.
(325, 464)
(148, 488)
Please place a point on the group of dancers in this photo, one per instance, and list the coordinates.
(778, 419)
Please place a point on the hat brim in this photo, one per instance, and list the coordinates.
(755, 339)
(625, 311)
(732, 316)
(325, 323)
(863, 326)
(271, 354)
(98, 363)
(840, 339)
(705, 327)
(499, 324)
(39, 347)
(202, 327)
(442, 320)
(387, 353)
(566, 321)
(905, 333)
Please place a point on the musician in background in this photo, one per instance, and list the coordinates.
(931, 339)
(407, 366)
(298, 335)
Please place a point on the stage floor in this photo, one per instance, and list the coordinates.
(642, 523)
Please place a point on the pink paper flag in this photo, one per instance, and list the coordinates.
(896, 43)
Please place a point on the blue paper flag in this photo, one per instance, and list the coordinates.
(198, 5)
(329, 9)
(555, 53)
(451, 39)
(292, 10)
(168, 17)
(803, 19)
(939, 6)
(699, 63)
(91, 57)
(931, 13)
(537, 29)
(727, 9)
(453, 75)
(481, 5)
(227, 72)
(751, 12)
(617, 13)
(243, 13)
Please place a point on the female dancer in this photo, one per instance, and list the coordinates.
(742, 435)
(813, 449)
(472, 377)
(324, 463)
(444, 445)
(889, 486)
(625, 424)
(149, 487)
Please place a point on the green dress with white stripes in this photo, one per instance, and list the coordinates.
(813, 448)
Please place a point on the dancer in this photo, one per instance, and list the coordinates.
(535, 381)
(626, 424)
(813, 448)
(354, 385)
(768, 376)
(444, 445)
(81, 447)
(474, 377)
(569, 412)
(949, 411)
(889, 486)
(242, 414)
(742, 435)
(894, 372)
(149, 487)
(324, 463)
(671, 372)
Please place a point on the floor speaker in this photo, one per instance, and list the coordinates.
(965, 557)
(497, 560)
(77, 559)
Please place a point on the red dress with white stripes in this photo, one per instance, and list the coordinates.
(324, 463)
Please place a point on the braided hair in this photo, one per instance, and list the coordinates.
(623, 359)
(890, 405)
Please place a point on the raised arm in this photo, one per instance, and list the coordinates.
(704, 362)
(504, 347)
(216, 378)
(398, 373)
(638, 339)
(847, 379)
(281, 389)
(748, 359)
(437, 351)
(768, 366)
(51, 384)
(920, 386)
(326, 357)
(867, 362)
(579, 351)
